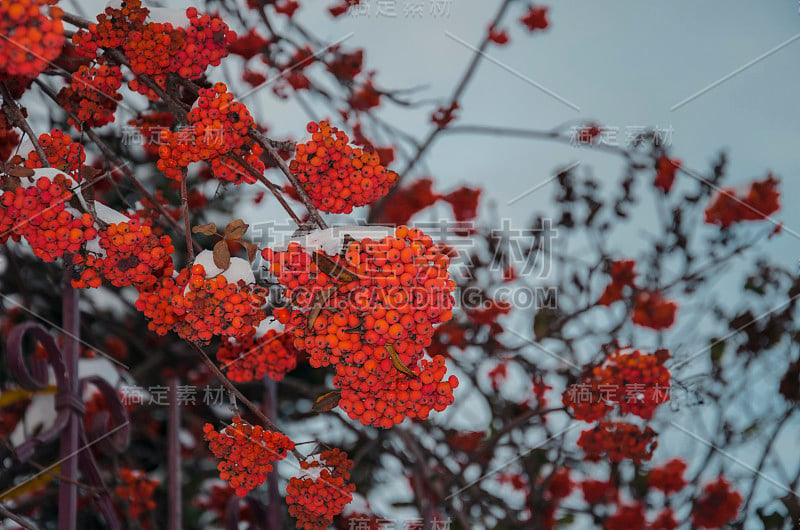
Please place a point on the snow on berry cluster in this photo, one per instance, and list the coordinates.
(185, 46)
(217, 126)
(370, 313)
(252, 357)
(92, 95)
(204, 301)
(246, 453)
(41, 214)
(129, 253)
(31, 38)
(337, 176)
(322, 491)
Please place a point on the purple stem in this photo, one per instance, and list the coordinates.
(273, 518)
(174, 463)
(67, 489)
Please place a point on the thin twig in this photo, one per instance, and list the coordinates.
(235, 391)
(270, 186)
(187, 229)
(266, 143)
(16, 518)
(18, 119)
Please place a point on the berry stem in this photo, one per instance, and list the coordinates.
(267, 144)
(272, 187)
(123, 166)
(17, 118)
(187, 229)
(235, 391)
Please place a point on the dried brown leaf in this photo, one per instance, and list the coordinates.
(333, 269)
(235, 229)
(326, 401)
(207, 229)
(222, 256)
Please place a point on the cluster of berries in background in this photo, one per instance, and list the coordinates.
(31, 37)
(634, 382)
(617, 441)
(131, 255)
(371, 315)
(198, 307)
(246, 453)
(136, 489)
(650, 308)
(217, 126)
(252, 357)
(92, 95)
(155, 48)
(322, 492)
(761, 200)
(337, 176)
(638, 384)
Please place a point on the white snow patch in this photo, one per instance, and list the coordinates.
(109, 215)
(176, 17)
(239, 269)
(164, 15)
(331, 240)
(268, 324)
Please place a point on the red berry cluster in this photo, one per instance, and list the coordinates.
(246, 453)
(150, 125)
(315, 500)
(760, 201)
(666, 169)
(599, 491)
(31, 39)
(112, 29)
(622, 276)
(197, 307)
(92, 95)
(155, 48)
(251, 358)
(217, 126)
(136, 489)
(134, 255)
(336, 176)
(39, 214)
(638, 383)
(9, 140)
(373, 323)
(668, 477)
(61, 152)
(618, 441)
(717, 506)
(652, 310)
(626, 518)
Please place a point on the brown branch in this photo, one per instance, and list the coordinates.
(267, 144)
(235, 391)
(122, 166)
(75, 20)
(270, 186)
(187, 228)
(456, 95)
(16, 518)
(18, 119)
